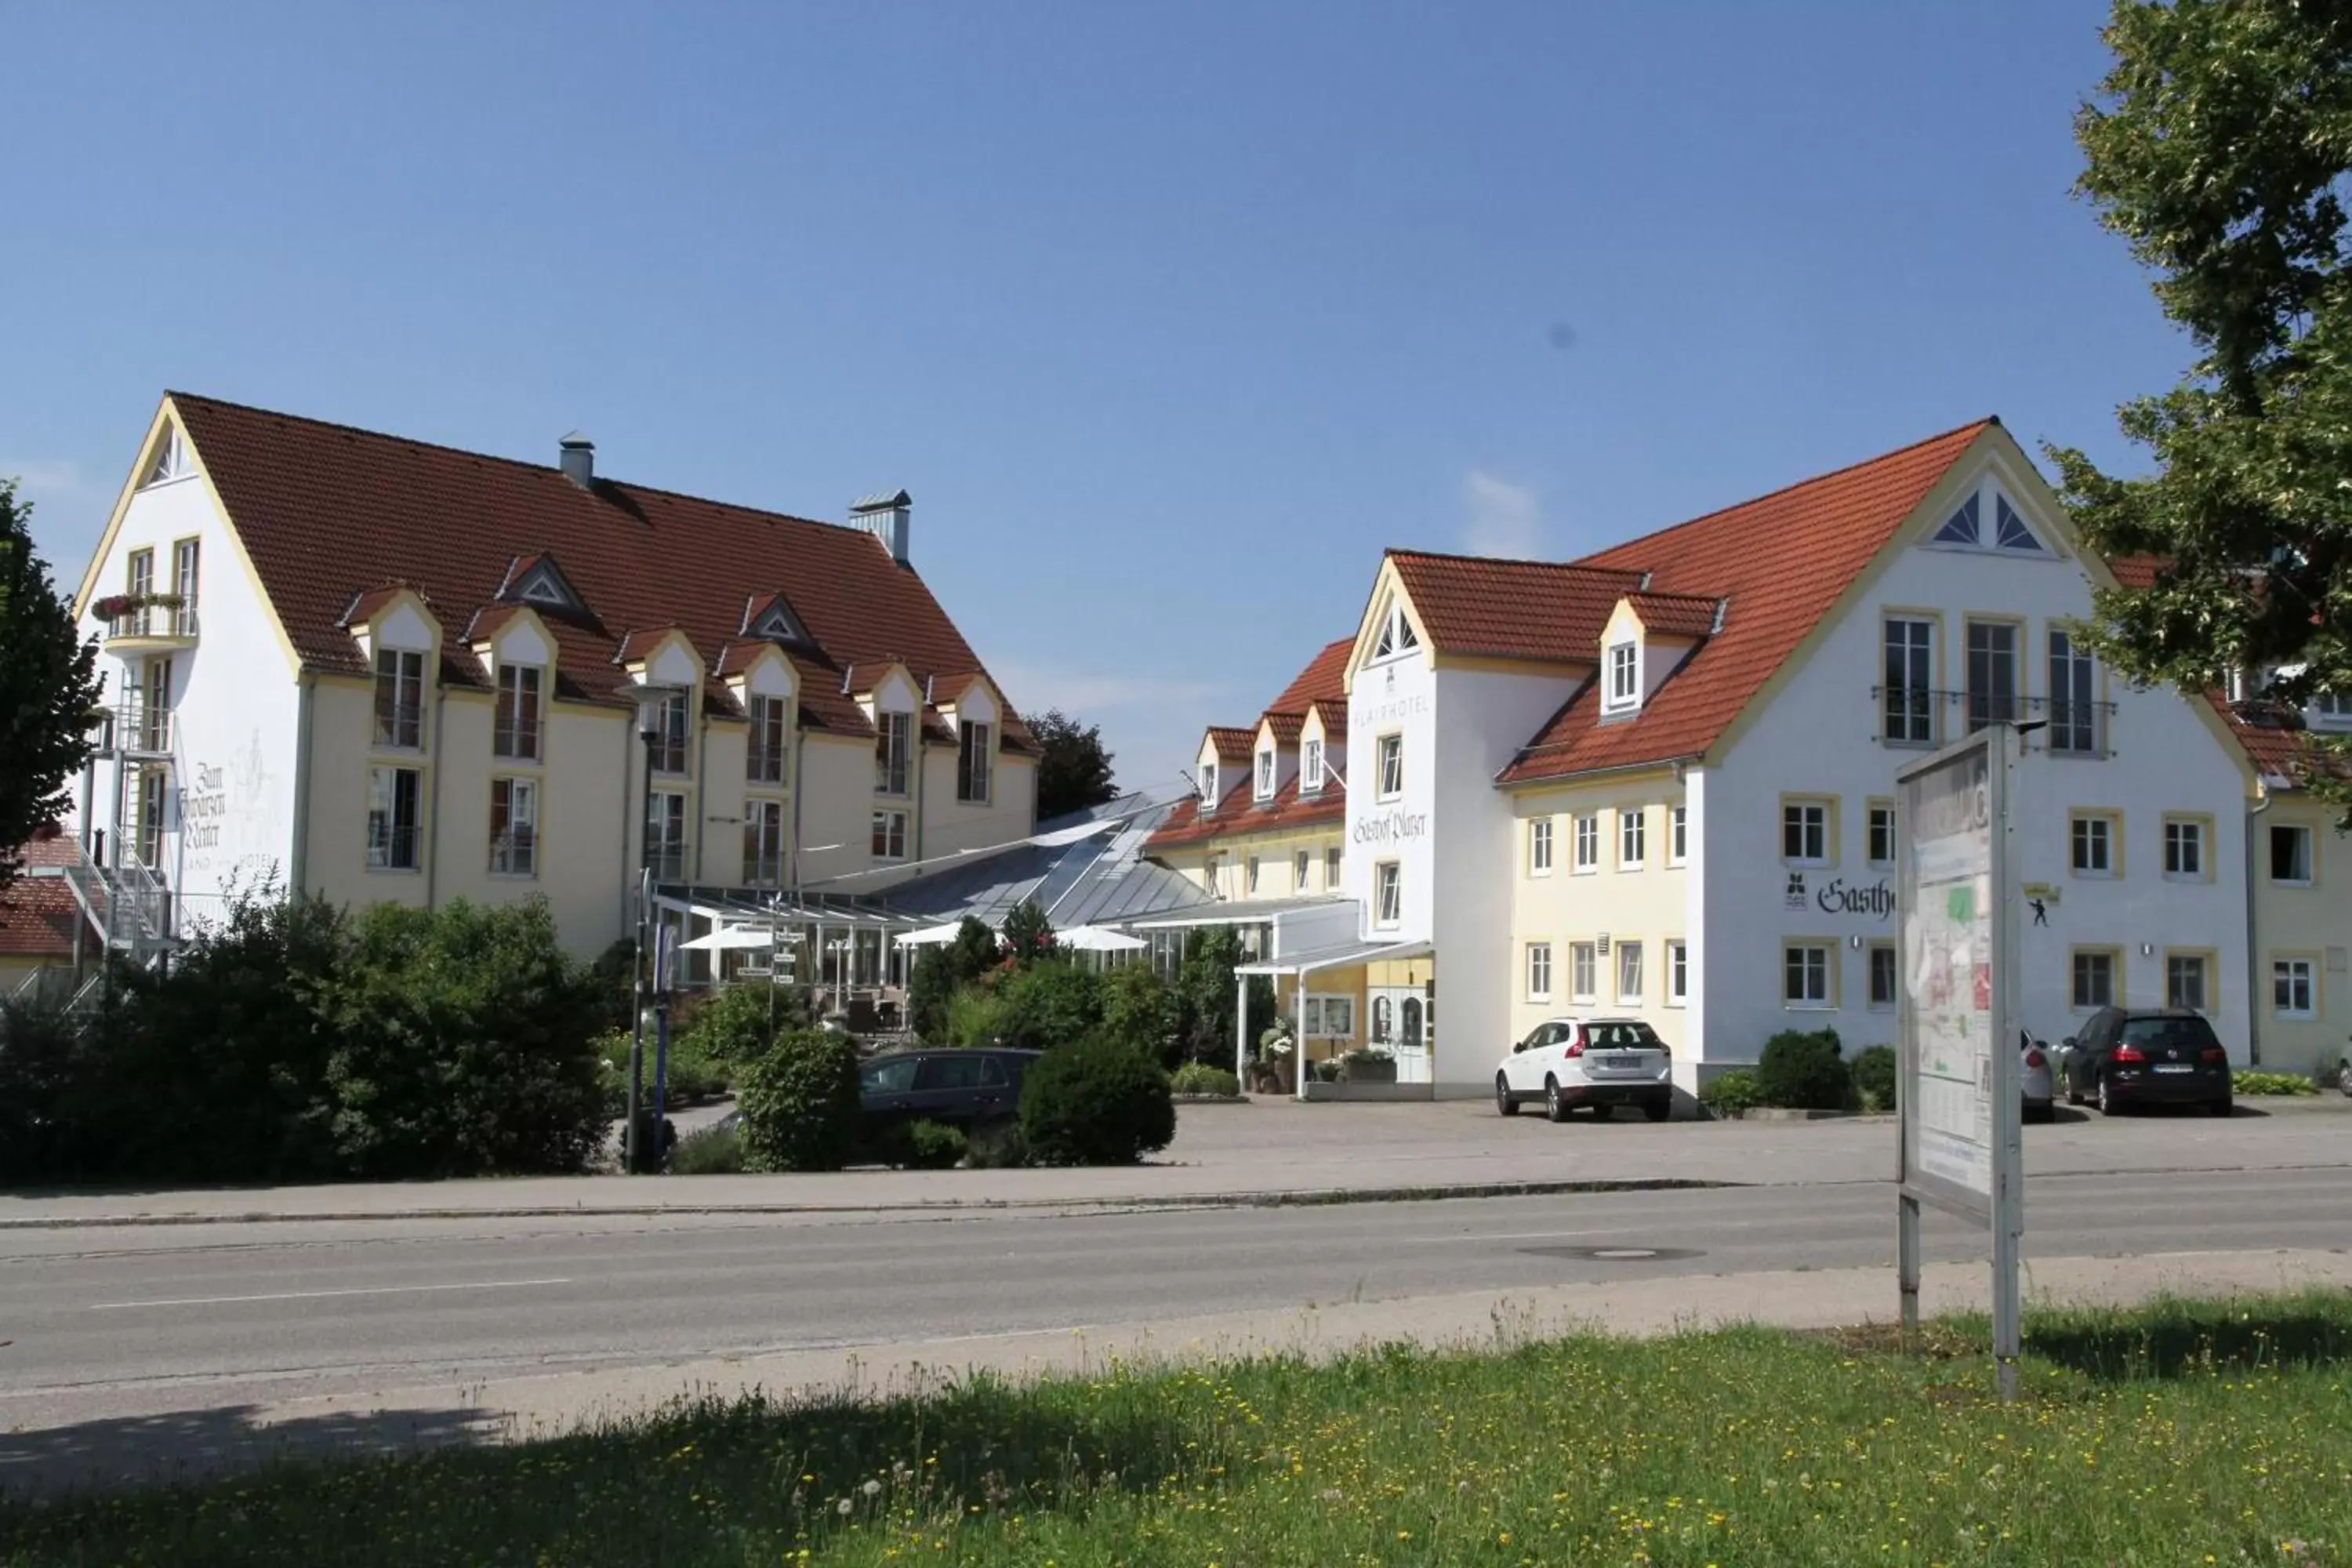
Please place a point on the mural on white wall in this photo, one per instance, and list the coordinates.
(230, 833)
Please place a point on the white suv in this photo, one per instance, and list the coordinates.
(1600, 1062)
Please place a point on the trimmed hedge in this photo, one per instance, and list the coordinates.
(1096, 1103)
(1873, 1078)
(2286, 1083)
(933, 1146)
(1727, 1094)
(799, 1103)
(1199, 1077)
(1800, 1072)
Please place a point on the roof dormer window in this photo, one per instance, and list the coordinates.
(772, 618)
(1208, 786)
(1265, 774)
(1310, 768)
(537, 580)
(1624, 688)
(1396, 634)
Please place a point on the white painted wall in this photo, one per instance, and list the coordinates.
(230, 821)
(1819, 735)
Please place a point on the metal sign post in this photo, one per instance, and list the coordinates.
(1957, 1143)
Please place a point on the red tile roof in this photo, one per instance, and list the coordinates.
(1234, 744)
(1475, 605)
(329, 513)
(1285, 727)
(1676, 615)
(1237, 814)
(1781, 561)
(1323, 680)
(1319, 686)
(38, 914)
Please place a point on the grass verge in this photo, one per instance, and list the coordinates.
(2184, 1433)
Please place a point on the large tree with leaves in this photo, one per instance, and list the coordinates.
(1073, 768)
(49, 689)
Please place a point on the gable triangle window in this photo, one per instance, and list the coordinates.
(1396, 634)
(544, 584)
(171, 460)
(1961, 528)
(2010, 533)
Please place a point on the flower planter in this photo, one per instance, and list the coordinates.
(1352, 1071)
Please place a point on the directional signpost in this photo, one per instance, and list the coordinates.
(1958, 1086)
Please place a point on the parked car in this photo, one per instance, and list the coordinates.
(2153, 1056)
(2037, 1087)
(1603, 1063)
(965, 1089)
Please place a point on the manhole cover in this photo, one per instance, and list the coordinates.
(1613, 1254)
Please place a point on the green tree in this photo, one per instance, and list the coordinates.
(48, 690)
(1137, 1009)
(1204, 996)
(943, 970)
(1049, 1005)
(1073, 770)
(1028, 934)
(2219, 148)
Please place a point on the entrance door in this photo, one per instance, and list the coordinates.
(1400, 1026)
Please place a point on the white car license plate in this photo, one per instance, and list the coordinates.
(2175, 1066)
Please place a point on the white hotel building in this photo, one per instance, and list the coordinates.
(1659, 781)
(382, 670)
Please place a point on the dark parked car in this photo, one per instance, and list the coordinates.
(966, 1088)
(2147, 1057)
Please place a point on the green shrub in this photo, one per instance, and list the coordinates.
(1137, 1008)
(975, 1017)
(1199, 1077)
(732, 1025)
(998, 1147)
(1049, 1004)
(1028, 934)
(799, 1103)
(1730, 1093)
(1801, 1072)
(1097, 1102)
(933, 1146)
(1873, 1078)
(2271, 1083)
(712, 1151)
(943, 970)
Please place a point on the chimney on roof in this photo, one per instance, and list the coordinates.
(579, 459)
(888, 518)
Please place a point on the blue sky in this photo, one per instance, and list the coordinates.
(1169, 315)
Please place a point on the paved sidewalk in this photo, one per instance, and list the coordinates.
(1280, 1151)
(108, 1454)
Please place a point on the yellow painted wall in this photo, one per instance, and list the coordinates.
(1277, 854)
(2313, 923)
(1568, 906)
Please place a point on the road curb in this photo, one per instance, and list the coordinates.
(1301, 1197)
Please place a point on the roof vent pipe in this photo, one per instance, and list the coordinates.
(579, 459)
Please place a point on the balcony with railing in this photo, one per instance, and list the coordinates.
(1923, 718)
(147, 622)
(137, 729)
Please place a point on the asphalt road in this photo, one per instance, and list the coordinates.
(156, 1318)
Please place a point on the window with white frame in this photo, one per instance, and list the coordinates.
(666, 835)
(1906, 699)
(395, 819)
(1583, 971)
(1624, 675)
(186, 561)
(2292, 996)
(1882, 834)
(1396, 635)
(1805, 832)
(763, 843)
(2331, 710)
(2092, 838)
(1208, 786)
(1387, 893)
(171, 460)
(1539, 847)
(1588, 841)
(889, 836)
(2093, 979)
(1391, 768)
(1677, 835)
(1212, 876)
(1805, 974)
(400, 698)
(2072, 711)
(1265, 774)
(763, 759)
(894, 736)
(1310, 768)
(1539, 972)
(1883, 974)
(670, 727)
(1251, 866)
(514, 827)
(2291, 855)
(1333, 871)
(975, 761)
(1328, 1015)
(1632, 836)
(2184, 848)
(1629, 972)
(1301, 863)
(1677, 973)
(2184, 981)
(1992, 673)
(516, 728)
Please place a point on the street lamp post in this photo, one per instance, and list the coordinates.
(650, 699)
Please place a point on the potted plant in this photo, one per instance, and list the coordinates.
(1279, 1054)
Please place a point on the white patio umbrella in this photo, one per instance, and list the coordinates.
(1097, 938)
(929, 936)
(730, 936)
